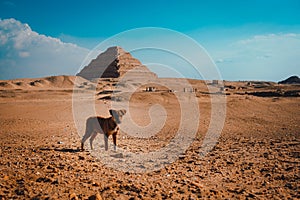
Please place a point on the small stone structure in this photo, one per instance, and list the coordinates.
(191, 90)
(215, 82)
(150, 89)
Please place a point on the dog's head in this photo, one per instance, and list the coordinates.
(117, 114)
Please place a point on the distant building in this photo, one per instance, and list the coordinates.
(150, 89)
(215, 82)
(191, 90)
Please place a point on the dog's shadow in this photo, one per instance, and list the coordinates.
(64, 150)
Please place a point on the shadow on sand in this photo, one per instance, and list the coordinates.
(65, 150)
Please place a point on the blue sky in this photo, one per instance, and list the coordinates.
(257, 40)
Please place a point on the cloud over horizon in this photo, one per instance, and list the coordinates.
(271, 56)
(25, 53)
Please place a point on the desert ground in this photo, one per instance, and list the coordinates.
(257, 155)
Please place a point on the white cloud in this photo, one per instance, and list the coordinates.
(44, 55)
(24, 54)
(9, 4)
(270, 46)
(270, 37)
(223, 60)
(266, 57)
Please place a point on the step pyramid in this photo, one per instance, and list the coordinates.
(115, 62)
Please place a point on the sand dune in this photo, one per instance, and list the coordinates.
(46, 82)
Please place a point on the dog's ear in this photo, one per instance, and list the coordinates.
(111, 112)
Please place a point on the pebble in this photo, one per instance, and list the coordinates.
(5, 178)
(95, 197)
(96, 184)
(81, 157)
(73, 196)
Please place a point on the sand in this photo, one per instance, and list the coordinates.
(257, 155)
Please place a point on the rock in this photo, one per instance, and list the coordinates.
(50, 167)
(19, 191)
(95, 197)
(42, 179)
(73, 196)
(55, 182)
(5, 178)
(192, 197)
(96, 184)
(141, 166)
(197, 184)
(81, 157)
(229, 162)
(289, 185)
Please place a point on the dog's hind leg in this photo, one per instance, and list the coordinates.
(88, 132)
(84, 138)
(94, 134)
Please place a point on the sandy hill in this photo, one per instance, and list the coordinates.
(291, 80)
(108, 87)
(45, 82)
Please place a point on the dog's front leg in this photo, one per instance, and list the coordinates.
(106, 141)
(115, 141)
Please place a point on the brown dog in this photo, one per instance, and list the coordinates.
(106, 126)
